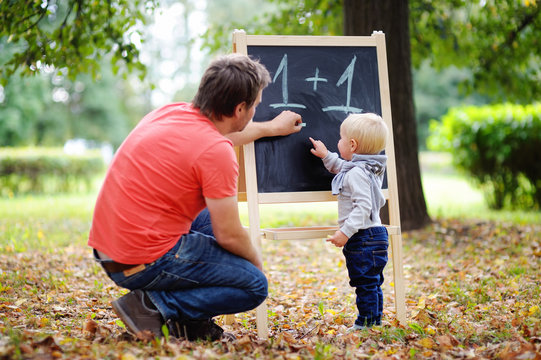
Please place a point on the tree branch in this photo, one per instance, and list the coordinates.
(528, 19)
(511, 37)
(64, 23)
(42, 12)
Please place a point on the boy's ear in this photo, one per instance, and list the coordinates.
(353, 145)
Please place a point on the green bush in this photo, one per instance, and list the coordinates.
(499, 146)
(47, 170)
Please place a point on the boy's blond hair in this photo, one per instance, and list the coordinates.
(368, 129)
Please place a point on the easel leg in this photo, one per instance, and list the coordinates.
(262, 321)
(398, 278)
(229, 319)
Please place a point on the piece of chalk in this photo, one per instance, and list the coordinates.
(302, 124)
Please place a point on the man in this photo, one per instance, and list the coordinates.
(183, 269)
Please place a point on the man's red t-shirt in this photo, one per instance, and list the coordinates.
(157, 182)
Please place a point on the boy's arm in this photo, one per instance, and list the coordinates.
(331, 160)
(333, 163)
(361, 199)
(287, 122)
(319, 150)
(339, 239)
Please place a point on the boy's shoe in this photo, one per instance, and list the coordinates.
(198, 329)
(356, 327)
(136, 315)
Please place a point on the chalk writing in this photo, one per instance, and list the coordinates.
(346, 75)
(282, 69)
(315, 79)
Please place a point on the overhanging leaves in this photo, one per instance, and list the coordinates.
(72, 35)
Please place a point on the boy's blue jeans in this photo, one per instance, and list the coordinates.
(366, 257)
(198, 279)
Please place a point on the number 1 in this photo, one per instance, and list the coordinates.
(347, 74)
(282, 69)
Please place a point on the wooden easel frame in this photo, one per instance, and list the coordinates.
(247, 160)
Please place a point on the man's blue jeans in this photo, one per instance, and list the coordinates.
(198, 279)
(366, 257)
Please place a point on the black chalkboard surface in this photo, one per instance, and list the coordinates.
(324, 84)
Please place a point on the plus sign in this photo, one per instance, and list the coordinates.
(315, 79)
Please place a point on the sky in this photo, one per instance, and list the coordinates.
(165, 51)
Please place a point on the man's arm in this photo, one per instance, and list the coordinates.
(287, 122)
(228, 230)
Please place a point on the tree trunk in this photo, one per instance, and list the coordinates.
(361, 18)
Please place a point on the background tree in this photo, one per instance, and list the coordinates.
(101, 109)
(498, 40)
(22, 107)
(48, 109)
(170, 51)
(435, 91)
(72, 35)
(392, 17)
(72, 49)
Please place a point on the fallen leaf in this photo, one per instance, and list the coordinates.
(427, 343)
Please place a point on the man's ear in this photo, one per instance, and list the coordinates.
(353, 145)
(240, 108)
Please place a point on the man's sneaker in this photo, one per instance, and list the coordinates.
(198, 329)
(136, 315)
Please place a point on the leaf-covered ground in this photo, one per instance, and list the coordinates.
(473, 291)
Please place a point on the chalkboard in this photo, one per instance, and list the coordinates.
(324, 84)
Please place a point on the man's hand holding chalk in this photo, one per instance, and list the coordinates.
(287, 122)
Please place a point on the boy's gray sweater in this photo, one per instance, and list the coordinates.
(358, 186)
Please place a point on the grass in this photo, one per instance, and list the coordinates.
(450, 194)
(45, 222)
(53, 221)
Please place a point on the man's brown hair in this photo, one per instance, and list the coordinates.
(228, 81)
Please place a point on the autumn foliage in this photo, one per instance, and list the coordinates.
(472, 292)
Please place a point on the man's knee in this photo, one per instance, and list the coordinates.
(261, 290)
